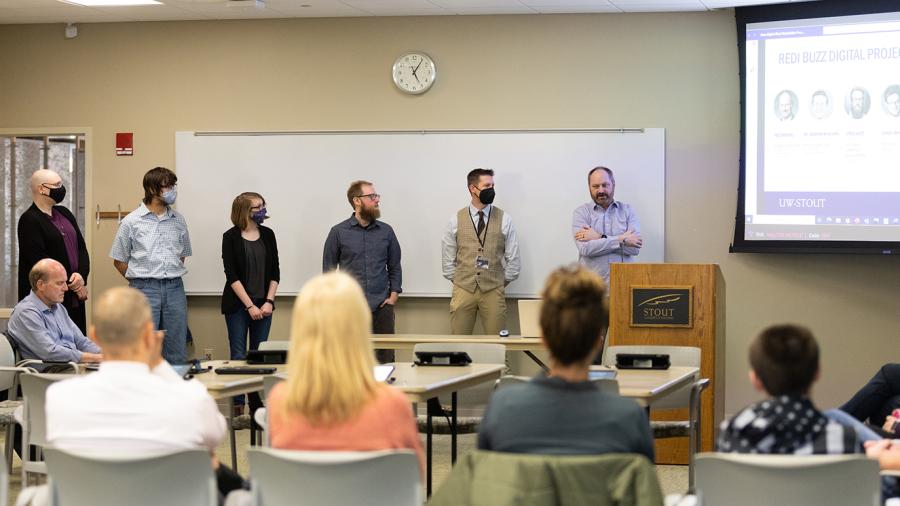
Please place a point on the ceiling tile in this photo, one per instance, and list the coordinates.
(659, 5)
(556, 9)
(314, 8)
(153, 13)
(55, 11)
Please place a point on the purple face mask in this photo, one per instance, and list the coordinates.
(259, 216)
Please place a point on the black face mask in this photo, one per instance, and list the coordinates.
(57, 194)
(487, 196)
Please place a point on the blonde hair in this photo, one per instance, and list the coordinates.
(331, 359)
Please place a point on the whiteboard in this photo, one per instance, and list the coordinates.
(540, 176)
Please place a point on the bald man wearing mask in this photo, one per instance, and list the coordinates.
(49, 230)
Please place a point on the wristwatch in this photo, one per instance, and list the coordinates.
(272, 302)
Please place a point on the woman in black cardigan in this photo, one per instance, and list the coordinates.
(250, 258)
(43, 231)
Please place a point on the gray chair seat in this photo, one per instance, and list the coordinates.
(439, 425)
(7, 408)
(663, 430)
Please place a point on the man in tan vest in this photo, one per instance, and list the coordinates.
(480, 255)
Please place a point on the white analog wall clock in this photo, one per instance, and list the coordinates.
(414, 72)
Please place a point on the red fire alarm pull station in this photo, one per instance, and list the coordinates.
(124, 144)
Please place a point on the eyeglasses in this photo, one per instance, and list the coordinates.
(372, 196)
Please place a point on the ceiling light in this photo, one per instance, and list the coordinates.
(111, 3)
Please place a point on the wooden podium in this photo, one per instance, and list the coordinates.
(674, 305)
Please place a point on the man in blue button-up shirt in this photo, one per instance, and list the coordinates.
(149, 251)
(605, 229)
(40, 325)
(368, 250)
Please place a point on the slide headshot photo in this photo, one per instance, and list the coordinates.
(891, 100)
(857, 103)
(785, 105)
(820, 105)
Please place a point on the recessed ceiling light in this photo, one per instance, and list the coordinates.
(111, 3)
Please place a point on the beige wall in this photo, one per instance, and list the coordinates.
(677, 71)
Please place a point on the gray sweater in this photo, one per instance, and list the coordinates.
(554, 417)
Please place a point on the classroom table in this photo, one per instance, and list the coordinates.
(528, 345)
(647, 386)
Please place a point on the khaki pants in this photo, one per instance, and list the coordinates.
(465, 306)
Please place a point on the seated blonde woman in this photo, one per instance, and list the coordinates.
(331, 400)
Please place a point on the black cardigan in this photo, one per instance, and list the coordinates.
(235, 262)
(39, 238)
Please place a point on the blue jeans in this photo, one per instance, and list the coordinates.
(239, 324)
(168, 310)
(863, 432)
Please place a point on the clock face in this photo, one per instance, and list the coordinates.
(414, 72)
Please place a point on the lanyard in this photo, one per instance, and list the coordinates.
(475, 227)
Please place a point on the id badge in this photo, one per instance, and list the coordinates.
(482, 263)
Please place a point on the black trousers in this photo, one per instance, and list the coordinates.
(383, 323)
(228, 480)
(877, 398)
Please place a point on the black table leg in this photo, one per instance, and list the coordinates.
(537, 360)
(428, 432)
(453, 428)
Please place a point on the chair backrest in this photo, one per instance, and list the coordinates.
(508, 379)
(516, 478)
(34, 391)
(180, 477)
(471, 401)
(530, 317)
(610, 385)
(275, 345)
(380, 478)
(7, 359)
(269, 382)
(686, 356)
(745, 480)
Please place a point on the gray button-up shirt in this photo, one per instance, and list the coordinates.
(370, 254)
(46, 332)
(615, 220)
(152, 245)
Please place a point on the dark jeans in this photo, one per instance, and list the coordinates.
(239, 324)
(878, 397)
(383, 323)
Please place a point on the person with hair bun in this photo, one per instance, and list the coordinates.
(562, 412)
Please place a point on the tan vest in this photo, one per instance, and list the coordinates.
(468, 247)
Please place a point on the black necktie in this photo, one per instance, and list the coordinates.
(480, 223)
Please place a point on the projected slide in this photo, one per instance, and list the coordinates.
(822, 131)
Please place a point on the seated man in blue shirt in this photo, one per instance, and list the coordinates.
(563, 412)
(40, 325)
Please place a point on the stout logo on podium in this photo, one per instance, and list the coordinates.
(661, 306)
